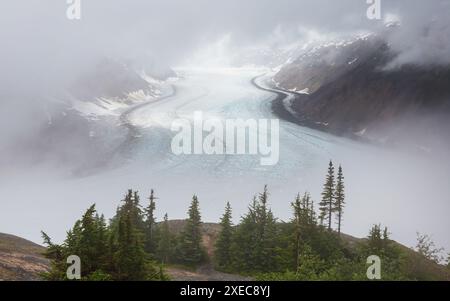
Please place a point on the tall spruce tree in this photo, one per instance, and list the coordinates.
(190, 248)
(223, 243)
(327, 203)
(269, 243)
(262, 219)
(101, 243)
(128, 243)
(255, 242)
(131, 205)
(87, 239)
(86, 245)
(130, 255)
(304, 221)
(244, 241)
(297, 206)
(150, 225)
(164, 250)
(339, 198)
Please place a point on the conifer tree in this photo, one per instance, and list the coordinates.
(89, 241)
(327, 203)
(378, 239)
(223, 243)
(297, 206)
(339, 198)
(312, 212)
(190, 249)
(244, 241)
(254, 245)
(269, 243)
(261, 209)
(131, 205)
(56, 253)
(304, 221)
(165, 243)
(150, 225)
(127, 245)
(101, 242)
(264, 224)
(130, 255)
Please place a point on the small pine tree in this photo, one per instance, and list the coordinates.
(339, 198)
(378, 240)
(375, 241)
(327, 203)
(190, 248)
(223, 243)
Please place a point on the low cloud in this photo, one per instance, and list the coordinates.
(424, 35)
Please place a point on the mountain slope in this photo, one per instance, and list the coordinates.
(79, 126)
(347, 89)
(20, 259)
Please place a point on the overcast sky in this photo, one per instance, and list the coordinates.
(37, 33)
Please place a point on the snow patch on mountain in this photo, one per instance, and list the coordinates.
(114, 106)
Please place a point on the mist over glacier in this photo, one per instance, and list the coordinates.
(395, 188)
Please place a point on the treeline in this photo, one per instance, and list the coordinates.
(134, 246)
(305, 248)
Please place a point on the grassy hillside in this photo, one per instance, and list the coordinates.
(210, 233)
(20, 259)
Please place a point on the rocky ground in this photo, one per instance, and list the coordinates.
(20, 259)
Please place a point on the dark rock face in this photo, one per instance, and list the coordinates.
(324, 64)
(352, 93)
